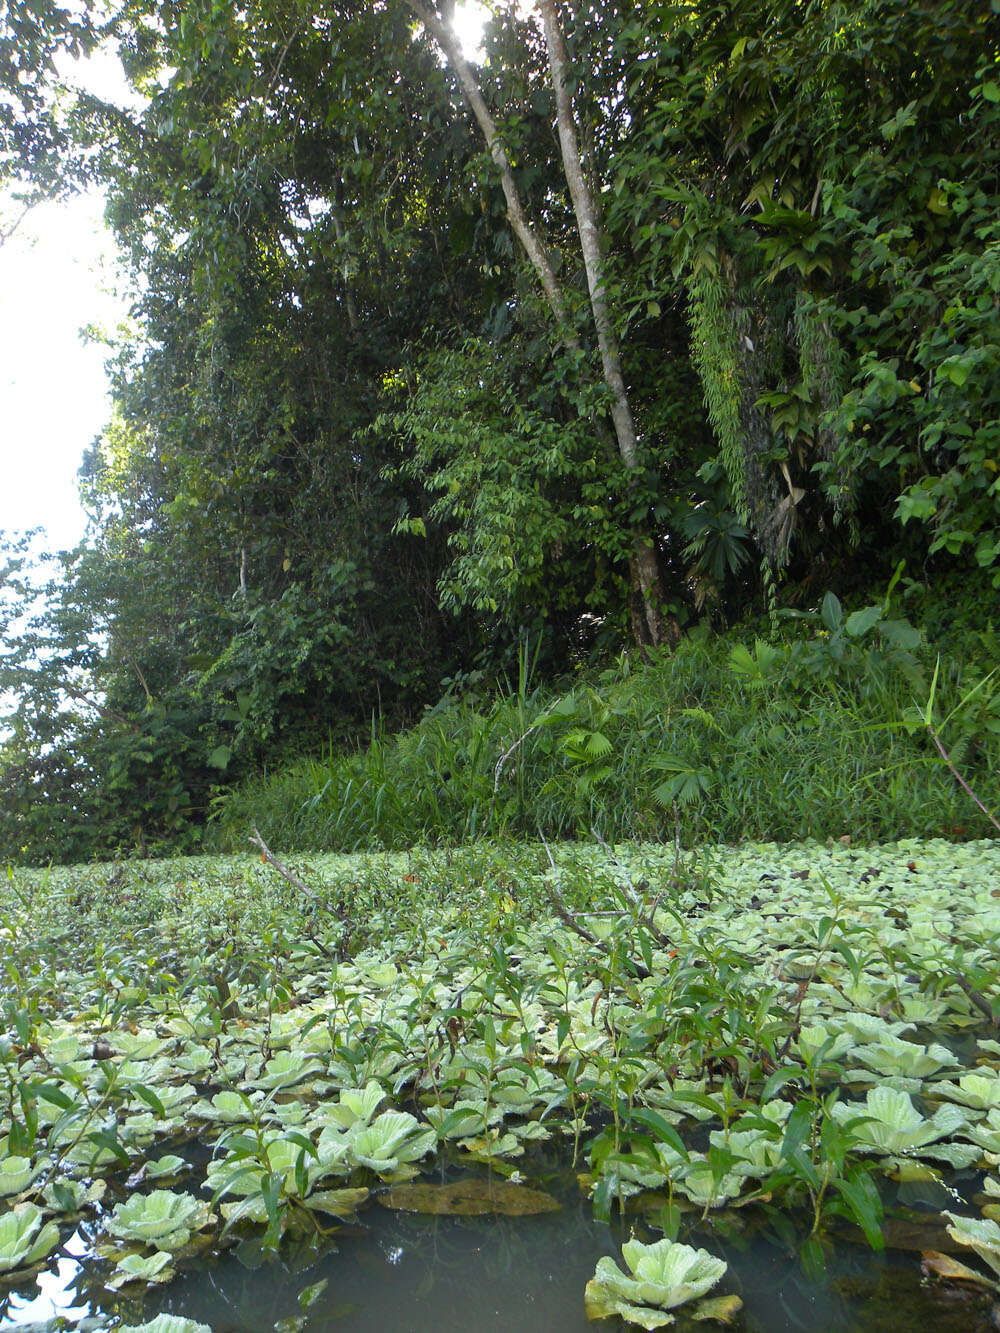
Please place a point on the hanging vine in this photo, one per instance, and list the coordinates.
(732, 348)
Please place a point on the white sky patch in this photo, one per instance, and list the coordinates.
(54, 279)
(469, 21)
(102, 75)
(57, 272)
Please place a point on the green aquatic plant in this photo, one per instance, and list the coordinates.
(24, 1242)
(391, 1144)
(354, 1106)
(980, 1091)
(663, 1275)
(163, 1167)
(986, 1135)
(472, 1003)
(162, 1219)
(228, 1107)
(66, 1195)
(152, 1269)
(16, 1174)
(979, 1234)
(286, 1069)
(890, 1124)
(892, 1055)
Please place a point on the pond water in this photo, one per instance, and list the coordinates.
(421, 1274)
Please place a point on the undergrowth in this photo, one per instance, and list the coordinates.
(813, 735)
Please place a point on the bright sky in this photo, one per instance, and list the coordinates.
(57, 274)
(54, 272)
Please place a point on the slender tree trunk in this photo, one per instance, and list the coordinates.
(353, 321)
(644, 553)
(532, 244)
(644, 565)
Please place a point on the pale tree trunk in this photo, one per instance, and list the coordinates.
(644, 553)
(354, 323)
(522, 228)
(644, 566)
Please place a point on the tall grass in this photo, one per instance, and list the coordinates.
(807, 744)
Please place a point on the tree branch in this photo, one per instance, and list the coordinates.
(280, 866)
(444, 34)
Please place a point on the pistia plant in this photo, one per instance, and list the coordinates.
(662, 1276)
(703, 1037)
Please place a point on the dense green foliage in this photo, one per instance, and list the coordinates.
(817, 736)
(364, 441)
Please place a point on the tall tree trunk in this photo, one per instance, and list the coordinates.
(354, 323)
(533, 246)
(644, 565)
(644, 551)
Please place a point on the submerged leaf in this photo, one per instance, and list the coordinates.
(718, 1309)
(469, 1198)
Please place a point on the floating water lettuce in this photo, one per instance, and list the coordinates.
(69, 1196)
(230, 1108)
(300, 1170)
(663, 1276)
(287, 1068)
(706, 1188)
(979, 1234)
(491, 1146)
(828, 1038)
(977, 1090)
(895, 1127)
(409, 1019)
(872, 1027)
(392, 1141)
(166, 1323)
(170, 1165)
(24, 1242)
(152, 1269)
(162, 1219)
(454, 1122)
(356, 1105)
(16, 1174)
(892, 1055)
(756, 1152)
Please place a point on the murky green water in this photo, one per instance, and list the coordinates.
(421, 1274)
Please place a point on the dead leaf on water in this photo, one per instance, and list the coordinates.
(721, 1309)
(944, 1266)
(469, 1198)
(915, 1233)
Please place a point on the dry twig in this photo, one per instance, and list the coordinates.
(643, 917)
(569, 919)
(280, 866)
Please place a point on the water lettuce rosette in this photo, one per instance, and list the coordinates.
(22, 1244)
(664, 1275)
(163, 1219)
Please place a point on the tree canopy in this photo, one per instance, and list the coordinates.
(639, 314)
